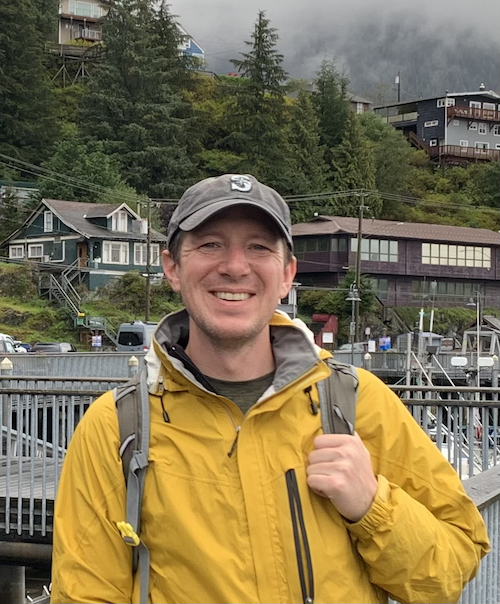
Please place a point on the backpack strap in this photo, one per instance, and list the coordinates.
(338, 395)
(132, 407)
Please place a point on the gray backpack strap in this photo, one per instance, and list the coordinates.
(132, 406)
(338, 395)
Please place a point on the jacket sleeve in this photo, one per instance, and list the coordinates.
(423, 537)
(91, 562)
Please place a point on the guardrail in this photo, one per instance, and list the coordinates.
(39, 417)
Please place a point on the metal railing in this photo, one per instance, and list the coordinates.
(39, 417)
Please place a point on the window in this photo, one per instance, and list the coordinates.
(35, 250)
(376, 250)
(480, 145)
(464, 143)
(456, 122)
(140, 254)
(446, 102)
(445, 291)
(115, 252)
(84, 9)
(473, 126)
(433, 142)
(456, 255)
(489, 106)
(497, 146)
(119, 222)
(431, 123)
(359, 108)
(380, 287)
(16, 251)
(496, 129)
(482, 129)
(475, 104)
(48, 219)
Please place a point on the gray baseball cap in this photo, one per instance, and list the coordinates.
(207, 197)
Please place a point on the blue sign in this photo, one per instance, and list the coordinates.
(384, 343)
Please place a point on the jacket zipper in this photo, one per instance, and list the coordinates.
(302, 550)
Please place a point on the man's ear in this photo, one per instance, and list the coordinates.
(288, 277)
(170, 269)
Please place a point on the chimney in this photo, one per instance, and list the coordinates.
(482, 87)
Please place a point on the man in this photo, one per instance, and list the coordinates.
(245, 499)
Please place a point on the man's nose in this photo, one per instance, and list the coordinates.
(235, 262)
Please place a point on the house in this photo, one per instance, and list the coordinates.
(359, 104)
(80, 20)
(22, 191)
(95, 241)
(454, 128)
(409, 264)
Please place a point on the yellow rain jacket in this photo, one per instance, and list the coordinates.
(227, 514)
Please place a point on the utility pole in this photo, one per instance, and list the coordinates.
(148, 261)
(357, 274)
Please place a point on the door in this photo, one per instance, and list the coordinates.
(82, 252)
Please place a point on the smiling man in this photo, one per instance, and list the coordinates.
(245, 499)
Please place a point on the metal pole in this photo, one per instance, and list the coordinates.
(478, 336)
(352, 331)
(357, 274)
(148, 263)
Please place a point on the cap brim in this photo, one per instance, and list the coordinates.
(203, 214)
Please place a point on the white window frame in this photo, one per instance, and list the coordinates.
(32, 247)
(109, 249)
(482, 129)
(473, 126)
(481, 145)
(119, 220)
(16, 251)
(497, 146)
(433, 142)
(48, 222)
(140, 254)
(431, 123)
(456, 255)
(464, 143)
(450, 102)
(475, 104)
(489, 106)
(441, 102)
(496, 130)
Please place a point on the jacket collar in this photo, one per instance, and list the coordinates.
(293, 346)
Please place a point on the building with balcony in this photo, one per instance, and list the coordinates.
(80, 20)
(402, 259)
(455, 128)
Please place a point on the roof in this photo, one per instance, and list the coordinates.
(489, 93)
(355, 98)
(75, 214)
(330, 225)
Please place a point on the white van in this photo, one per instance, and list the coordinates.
(135, 336)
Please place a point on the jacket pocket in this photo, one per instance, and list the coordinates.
(302, 550)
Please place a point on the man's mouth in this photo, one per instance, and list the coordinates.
(232, 296)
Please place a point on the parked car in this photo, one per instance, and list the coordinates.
(358, 347)
(15, 343)
(135, 336)
(6, 347)
(55, 347)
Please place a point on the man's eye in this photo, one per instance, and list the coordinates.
(209, 245)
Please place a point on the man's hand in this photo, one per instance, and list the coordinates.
(340, 468)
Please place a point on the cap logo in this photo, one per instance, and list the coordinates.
(241, 183)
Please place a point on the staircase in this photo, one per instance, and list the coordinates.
(417, 142)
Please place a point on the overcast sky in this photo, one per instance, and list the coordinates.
(354, 31)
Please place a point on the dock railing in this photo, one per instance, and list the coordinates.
(39, 417)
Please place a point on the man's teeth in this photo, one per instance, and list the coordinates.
(231, 296)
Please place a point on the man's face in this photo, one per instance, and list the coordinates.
(231, 274)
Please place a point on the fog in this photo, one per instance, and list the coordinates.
(436, 45)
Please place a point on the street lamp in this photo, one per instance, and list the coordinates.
(352, 297)
(477, 306)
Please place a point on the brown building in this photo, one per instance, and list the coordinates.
(402, 259)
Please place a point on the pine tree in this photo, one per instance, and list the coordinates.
(12, 213)
(257, 116)
(306, 154)
(353, 169)
(135, 103)
(27, 125)
(332, 105)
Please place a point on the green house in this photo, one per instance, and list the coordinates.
(93, 242)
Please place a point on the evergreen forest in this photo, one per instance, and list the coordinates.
(147, 122)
